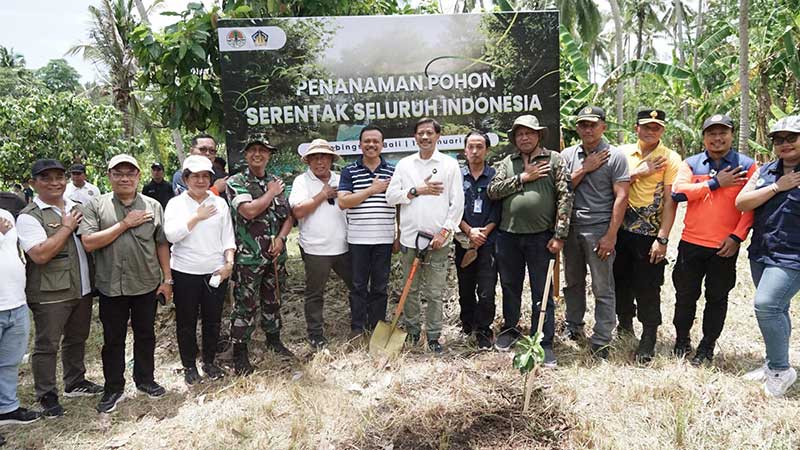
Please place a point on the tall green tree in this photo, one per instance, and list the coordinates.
(58, 76)
(109, 48)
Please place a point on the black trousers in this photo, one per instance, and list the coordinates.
(476, 285)
(515, 252)
(637, 282)
(194, 298)
(371, 267)
(114, 315)
(693, 265)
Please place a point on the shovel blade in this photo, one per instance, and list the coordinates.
(385, 341)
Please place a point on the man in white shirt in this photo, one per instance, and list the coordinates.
(323, 232)
(79, 190)
(58, 287)
(14, 325)
(428, 187)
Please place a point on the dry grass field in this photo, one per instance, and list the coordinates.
(341, 398)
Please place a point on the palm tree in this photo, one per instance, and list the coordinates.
(109, 49)
(10, 59)
(744, 79)
(617, 16)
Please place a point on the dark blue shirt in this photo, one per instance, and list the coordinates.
(372, 221)
(776, 223)
(484, 211)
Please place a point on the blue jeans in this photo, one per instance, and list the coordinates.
(371, 267)
(514, 253)
(775, 287)
(14, 329)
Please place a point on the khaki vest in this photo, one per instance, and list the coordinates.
(60, 278)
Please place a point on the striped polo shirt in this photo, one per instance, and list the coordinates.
(372, 221)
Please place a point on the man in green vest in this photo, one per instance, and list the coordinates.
(58, 287)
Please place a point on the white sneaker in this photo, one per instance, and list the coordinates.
(759, 375)
(778, 381)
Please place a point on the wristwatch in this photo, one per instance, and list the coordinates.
(662, 240)
(168, 281)
(413, 192)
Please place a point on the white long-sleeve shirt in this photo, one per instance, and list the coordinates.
(200, 251)
(428, 213)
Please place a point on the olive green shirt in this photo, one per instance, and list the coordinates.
(129, 265)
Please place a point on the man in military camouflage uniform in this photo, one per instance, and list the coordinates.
(534, 187)
(262, 221)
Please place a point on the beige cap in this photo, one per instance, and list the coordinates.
(319, 146)
(527, 121)
(123, 158)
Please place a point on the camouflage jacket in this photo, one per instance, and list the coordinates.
(543, 204)
(254, 237)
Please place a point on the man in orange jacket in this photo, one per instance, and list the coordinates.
(713, 229)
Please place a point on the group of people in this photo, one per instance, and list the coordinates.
(609, 209)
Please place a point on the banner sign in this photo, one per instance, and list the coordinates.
(292, 80)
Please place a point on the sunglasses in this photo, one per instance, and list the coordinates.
(779, 140)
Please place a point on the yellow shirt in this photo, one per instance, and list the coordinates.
(645, 200)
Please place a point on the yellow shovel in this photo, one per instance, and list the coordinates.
(387, 340)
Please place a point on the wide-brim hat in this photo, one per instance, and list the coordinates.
(527, 121)
(198, 163)
(319, 147)
(123, 158)
(789, 124)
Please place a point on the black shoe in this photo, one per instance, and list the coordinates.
(682, 348)
(241, 362)
(153, 389)
(625, 327)
(506, 339)
(84, 388)
(435, 347)
(317, 342)
(647, 345)
(575, 335)
(109, 401)
(50, 406)
(599, 351)
(412, 339)
(191, 376)
(213, 371)
(274, 343)
(704, 353)
(484, 339)
(19, 415)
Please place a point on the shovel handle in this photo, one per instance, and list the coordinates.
(400, 304)
(543, 307)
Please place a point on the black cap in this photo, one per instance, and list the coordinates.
(591, 114)
(718, 119)
(157, 166)
(77, 168)
(42, 165)
(651, 116)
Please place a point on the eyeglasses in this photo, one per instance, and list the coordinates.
(121, 175)
(207, 150)
(779, 140)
